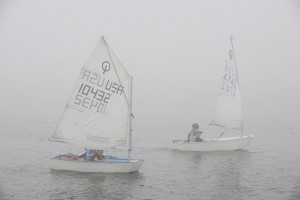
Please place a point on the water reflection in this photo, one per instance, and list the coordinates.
(295, 194)
(230, 173)
(76, 185)
(3, 195)
(215, 175)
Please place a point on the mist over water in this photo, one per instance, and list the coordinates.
(175, 53)
(268, 168)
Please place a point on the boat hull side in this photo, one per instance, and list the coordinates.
(96, 166)
(222, 144)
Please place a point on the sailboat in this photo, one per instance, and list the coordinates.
(98, 115)
(228, 115)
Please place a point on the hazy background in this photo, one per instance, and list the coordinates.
(175, 51)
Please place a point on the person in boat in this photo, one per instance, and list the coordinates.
(194, 134)
(68, 156)
(99, 154)
(92, 154)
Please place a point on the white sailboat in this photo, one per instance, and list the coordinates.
(98, 115)
(228, 115)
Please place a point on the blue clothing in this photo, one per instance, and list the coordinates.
(90, 154)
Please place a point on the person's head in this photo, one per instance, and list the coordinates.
(100, 152)
(195, 126)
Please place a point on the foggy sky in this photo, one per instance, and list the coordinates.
(175, 51)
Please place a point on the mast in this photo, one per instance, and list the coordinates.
(129, 103)
(236, 72)
(130, 121)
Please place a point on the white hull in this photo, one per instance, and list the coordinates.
(221, 144)
(104, 166)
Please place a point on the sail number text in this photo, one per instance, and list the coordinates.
(96, 91)
(228, 82)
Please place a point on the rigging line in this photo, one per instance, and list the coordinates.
(107, 47)
(221, 134)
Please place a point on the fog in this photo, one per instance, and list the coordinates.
(175, 51)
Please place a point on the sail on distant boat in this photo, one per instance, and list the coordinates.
(228, 115)
(98, 114)
(228, 112)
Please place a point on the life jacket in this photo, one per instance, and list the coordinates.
(90, 154)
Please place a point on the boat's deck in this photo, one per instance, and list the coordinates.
(178, 141)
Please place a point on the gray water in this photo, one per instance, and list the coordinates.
(267, 169)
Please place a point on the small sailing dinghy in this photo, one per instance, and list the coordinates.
(98, 115)
(228, 115)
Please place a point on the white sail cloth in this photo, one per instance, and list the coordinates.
(228, 112)
(97, 113)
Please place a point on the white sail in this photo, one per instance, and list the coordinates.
(228, 115)
(228, 112)
(98, 111)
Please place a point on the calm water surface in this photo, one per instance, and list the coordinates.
(267, 169)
